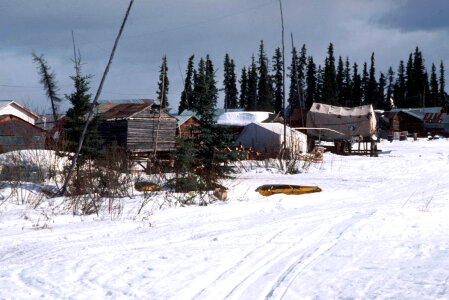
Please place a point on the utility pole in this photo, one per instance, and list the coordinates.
(81, 140)
(283, 79)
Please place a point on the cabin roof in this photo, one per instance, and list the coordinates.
(123, 111)
(4, 103)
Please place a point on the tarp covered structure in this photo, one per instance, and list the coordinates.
(344, 122)
(269, 138)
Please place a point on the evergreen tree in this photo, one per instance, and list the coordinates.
(199, 75)
(319, 85)
(230, 84)
(347, 85)
(264, 92)
(380, 101)
(243, 89)
(162, 94)
(76, 118)
(357, 91)
(252, 86)
(278, 80)
(49, 82)
(400, 87)
(187, 94)
(372, 85)
(340, 85)
(434, 99)
(293, 100)
(329, 80)
(301, 70)
(365, 80)
(390, 87)
(210, 78)
(443, 97)
(410, 91)
(311, 79)
(210, 161)
(420, 78)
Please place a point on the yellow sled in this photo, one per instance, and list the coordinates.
(270, 189)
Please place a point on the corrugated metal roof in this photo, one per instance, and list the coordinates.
(128, 101)
(123, 111)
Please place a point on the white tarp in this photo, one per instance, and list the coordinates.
(268, 138)
(348, 121)
(242, 118)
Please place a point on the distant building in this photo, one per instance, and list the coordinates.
(138, 128)
(17, 128)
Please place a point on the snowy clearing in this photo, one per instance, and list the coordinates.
(377, 230)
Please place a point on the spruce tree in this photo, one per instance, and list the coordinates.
(347, 85)
(199, 76)
(380, 101)
(339, 80)
(278, 80)
(243, 89)
(252, 86)
(230, 84)
(293, 90)
(301, 69)
(410, 90)
(443, 98)
(49, 82)
(311, 79)
(434, 99)
(357, 91)
(163, 83)
(329, 80)
(400, 86)
(390, 87)
(420, 78)
(76, 118)
(211, 162)
(372, 84)
(210, 78)
(264, 92)
(187, 94)
(364, 81)
(319, 85)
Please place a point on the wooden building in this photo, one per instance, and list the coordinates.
(11, 107)
(138, 128)
(186, 125)
(18, 134)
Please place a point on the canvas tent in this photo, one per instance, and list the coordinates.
(344, 122)
(268, 138)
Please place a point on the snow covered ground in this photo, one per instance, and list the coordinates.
(379, 229)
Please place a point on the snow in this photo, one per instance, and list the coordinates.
(378, 230)
(242, 118)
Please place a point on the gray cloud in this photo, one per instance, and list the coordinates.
(178, 29)
(414, 15)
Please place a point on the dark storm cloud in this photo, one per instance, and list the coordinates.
(413, 15)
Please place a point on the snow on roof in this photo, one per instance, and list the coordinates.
(242, 118)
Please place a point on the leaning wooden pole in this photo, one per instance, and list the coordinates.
(283, 79)
(81, 140)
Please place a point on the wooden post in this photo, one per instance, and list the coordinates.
(80, 143)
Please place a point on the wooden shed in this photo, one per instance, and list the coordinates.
(138, 128)
(18, 134)
(186, 126)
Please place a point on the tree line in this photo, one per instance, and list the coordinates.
(336, 82)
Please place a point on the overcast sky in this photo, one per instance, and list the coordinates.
(180, 28)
